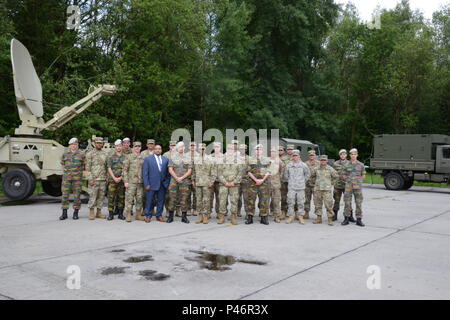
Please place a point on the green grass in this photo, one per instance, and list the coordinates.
(373, 178)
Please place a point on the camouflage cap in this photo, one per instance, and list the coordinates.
(117, 142)
(217, 144)
(150, 141)
(179, 144)
(193, 144)
(354, 150)
(243, 146)
(280, 148)
(172, 143)
(324, 157)
(258, 146)
(73, 140)
(342, 151)
(126, 139)
(290, 147)
(230, 146)
(137, 143)
(296, 152)
(311, 152)
(98, 140)
(202, 145)
(274, 150)
(234, 142)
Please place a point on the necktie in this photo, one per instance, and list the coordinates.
(158, 159)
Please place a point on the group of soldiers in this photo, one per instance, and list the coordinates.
(284, 185)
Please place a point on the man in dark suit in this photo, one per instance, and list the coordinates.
(156, 181)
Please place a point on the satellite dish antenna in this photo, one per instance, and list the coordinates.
(27, 86)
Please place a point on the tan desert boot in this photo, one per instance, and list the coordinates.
(200, 218)
(283, 215)
(306, 216)
(233, 220)
(330, 221)
(91, 214)
(300, 218)
(205, 218)
(194, 213)
(221, 219)
(99, 214)
(128, 218)
(318, 220)
(178, 214)
(290, 219)
(140, 215)
(277, 219)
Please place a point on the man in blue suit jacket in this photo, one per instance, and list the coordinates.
(156, 181)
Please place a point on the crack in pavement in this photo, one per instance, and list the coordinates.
(340, 255)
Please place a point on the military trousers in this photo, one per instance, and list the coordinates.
(284, 192)
(215, 197)
(337, 195)
(296, 197)
(97, 194)
(233, 193)
(309, 192)
(321, 198)
(179, 194)
(69, 187)
(243, 191)
(116, 195)
(262, 192)
(203, 195)
(275, 200)
(192, 201)
(356, 191)
(133, 196)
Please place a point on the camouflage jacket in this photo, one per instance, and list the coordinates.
(169, 154)
(230, 169)
(353, 173)
(286, 160)
(181, 164)
(244, 162)
(339, 166)
(96, 165)
(277, 167)
(204, 173)
(259, 167)
(73, 165)
(146, 153)
(216, 159)
(297, 173)
(312, 165)
(324, 177)
(132, 168)
(115, 162)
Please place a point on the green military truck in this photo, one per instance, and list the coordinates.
(404, 158)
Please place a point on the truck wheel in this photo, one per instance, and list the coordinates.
(52, 188)
(394, 181)
(18, 184)
(408, 184)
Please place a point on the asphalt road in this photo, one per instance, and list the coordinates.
(402, 253)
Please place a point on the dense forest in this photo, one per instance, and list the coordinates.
(312, 69)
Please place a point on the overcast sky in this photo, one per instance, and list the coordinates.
(366, 7)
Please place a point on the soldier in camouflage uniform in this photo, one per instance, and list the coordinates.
(243, 186)
(339, 188)
(312, 164)
(168, 155)
(73, 166)
(192, 201)
(126, 143)
(96, 177)
(355, 173)
(259, 173)
(286, 158)
(180, 168)
(276, 172)
(132, 179)
(297, 174)
(325, 177)
(204, 175)
(229, 175)
(116, 188)
(150, 148)
(216, 158)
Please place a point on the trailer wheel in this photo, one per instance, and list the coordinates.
(52, 188)
(394, 181)
(19, 184)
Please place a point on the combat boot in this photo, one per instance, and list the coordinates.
(345, 222)
(290, 219)
(170, 218)
(330, 221)
(178, 214)
(128, 219)
(139, 215)
(233, 220)
(306, 216)
(221, 219)
(75, 214)
(249, 219)
(184, 219)
(200, 218)
(300, 219)
(359, 222)
(194, 213)
(64, 215)
(205, 218)
(264, 220)
(189, 213)
(91, 214)
(335, 215)
(351, 219)
(99, 214)
(111, 215)
(120, 215)
(283, 215)
(277, 219)
(318, 220)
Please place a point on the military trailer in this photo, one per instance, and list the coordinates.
(302, 145)
(403, 158)
(27, 157)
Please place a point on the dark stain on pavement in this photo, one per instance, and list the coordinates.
(219, 262)
(139, 259)
(153, 275)
(113, 270)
